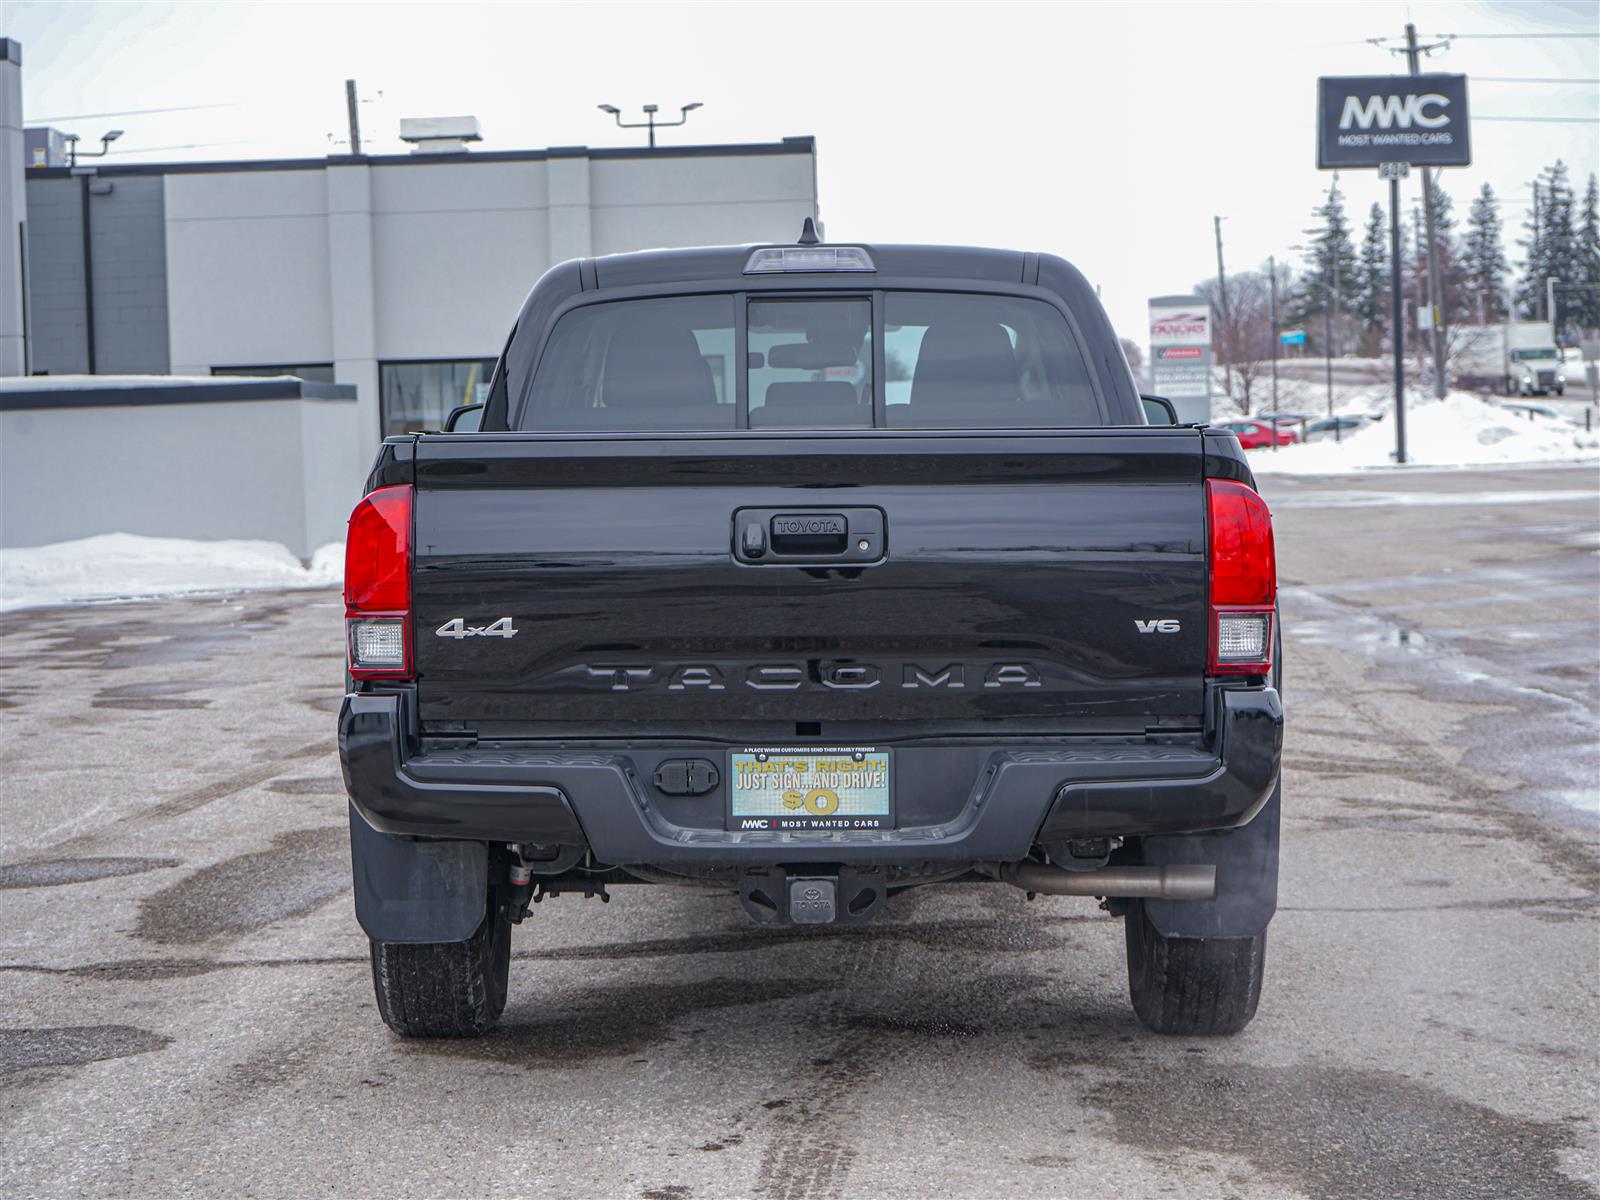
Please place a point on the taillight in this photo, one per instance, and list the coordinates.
(1244, 579)
(377, 585)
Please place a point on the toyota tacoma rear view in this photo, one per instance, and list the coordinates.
(812, 573)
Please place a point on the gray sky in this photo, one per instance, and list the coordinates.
(1109, 134)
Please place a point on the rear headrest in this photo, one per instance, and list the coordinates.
(649, 365)
(825, 404)
(968, 362)
(829, 392)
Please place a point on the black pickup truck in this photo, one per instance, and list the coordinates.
(812, 573)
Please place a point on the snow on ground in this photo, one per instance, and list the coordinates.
(118, 566)
(1460, 430)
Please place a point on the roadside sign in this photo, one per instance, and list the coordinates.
(1293, 337)
(1366, 120)
(1180, 354)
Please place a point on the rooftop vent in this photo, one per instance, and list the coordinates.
(439, 135)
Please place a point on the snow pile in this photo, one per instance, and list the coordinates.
(1460, 430)
(114, 566)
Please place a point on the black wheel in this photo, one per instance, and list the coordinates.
(445, 989)
(1188, 985)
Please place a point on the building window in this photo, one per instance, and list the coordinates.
(419, 395)
(310, 372)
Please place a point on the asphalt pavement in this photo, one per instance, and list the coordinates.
(185, 1007)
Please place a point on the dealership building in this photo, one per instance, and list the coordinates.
(398, 274)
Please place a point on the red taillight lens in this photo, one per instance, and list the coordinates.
(1244, 579)
(377, 585)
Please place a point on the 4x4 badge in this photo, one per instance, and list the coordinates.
(458, 628)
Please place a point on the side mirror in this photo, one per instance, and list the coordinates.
(464, 418)
(1158, 410)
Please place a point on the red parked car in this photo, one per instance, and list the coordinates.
(1253, 435)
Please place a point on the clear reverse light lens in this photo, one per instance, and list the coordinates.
(1242, 637)
(378, 642)
(809, 258)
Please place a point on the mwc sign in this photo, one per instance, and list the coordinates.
(1365, 120)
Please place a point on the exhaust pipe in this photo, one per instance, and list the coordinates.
(1152, 883)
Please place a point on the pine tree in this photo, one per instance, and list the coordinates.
(1587, 303)
(1552, 243)
(1483, 258)
(1372, 304)
(1330, 257)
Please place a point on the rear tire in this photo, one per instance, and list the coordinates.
(445, 989)
(1192, 986)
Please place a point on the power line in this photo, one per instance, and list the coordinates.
(1553, 120)
(135, 112)
(1523, 79)
(1480, 36)
(190, 146)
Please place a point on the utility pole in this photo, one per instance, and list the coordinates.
(350, 104)
(1550, 304)
(1222, 276)
(1414, 53)
(1272, 293)
(1423, 289)
(1228, 325)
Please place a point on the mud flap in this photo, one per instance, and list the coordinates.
(417, 891)
(1247, 877)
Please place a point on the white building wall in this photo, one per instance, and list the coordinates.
(456, 248)
(284, 471)
(247, 269)
(360, 262)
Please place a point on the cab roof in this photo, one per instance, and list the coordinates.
(700, 263)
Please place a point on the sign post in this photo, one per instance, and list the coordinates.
(1393, 122)
(1394, 173)
(1180, 354)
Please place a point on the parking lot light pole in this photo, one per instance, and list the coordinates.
(650, 121)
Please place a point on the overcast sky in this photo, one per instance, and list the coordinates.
(1107, 134)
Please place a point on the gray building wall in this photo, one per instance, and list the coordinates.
(128, 249)
(13, 213)
(128, 225)
(56, 308)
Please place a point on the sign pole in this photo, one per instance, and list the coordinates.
(1395, 172)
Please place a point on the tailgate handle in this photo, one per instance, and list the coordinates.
(797, 537)
(811, 535)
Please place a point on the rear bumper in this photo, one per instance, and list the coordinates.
(596, 800)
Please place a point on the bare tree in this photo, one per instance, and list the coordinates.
(1243, 337)
(1135, 357)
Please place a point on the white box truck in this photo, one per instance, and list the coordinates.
(1518, 358)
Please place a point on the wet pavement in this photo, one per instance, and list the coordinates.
(185, 1006)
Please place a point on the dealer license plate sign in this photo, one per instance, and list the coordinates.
(829, 787)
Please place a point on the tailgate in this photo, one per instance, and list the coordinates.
(1012, 583)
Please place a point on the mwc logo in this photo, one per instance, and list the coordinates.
(1390, 112)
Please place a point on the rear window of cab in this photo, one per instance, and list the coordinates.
(898, 359)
